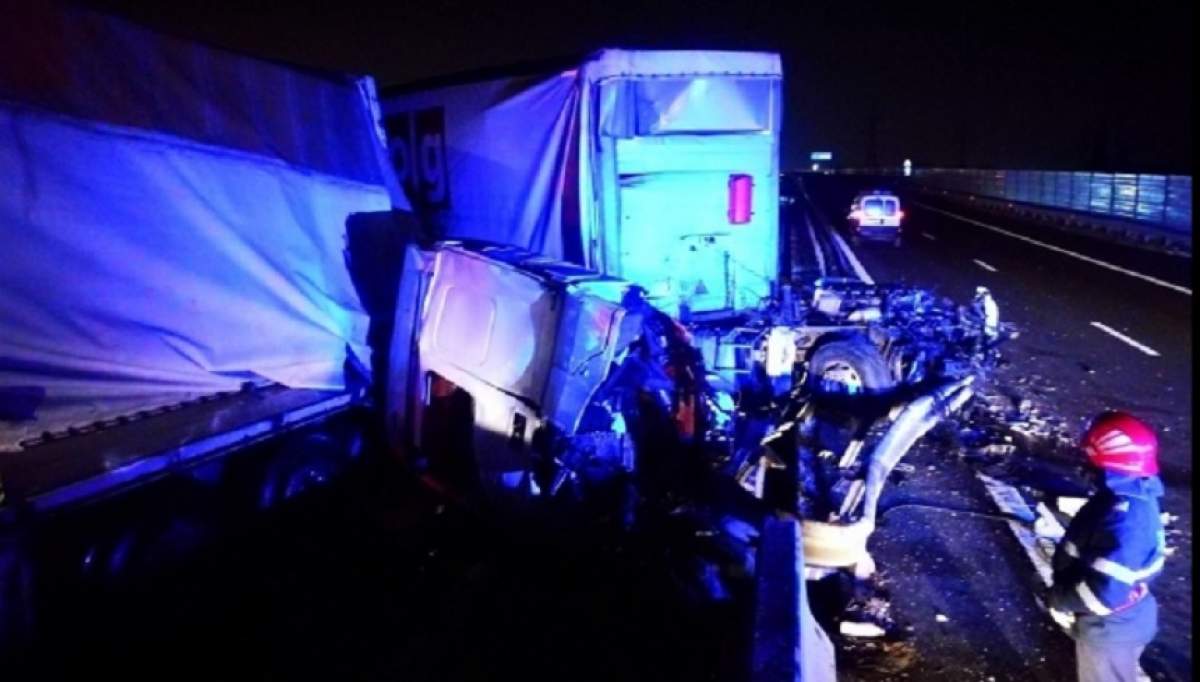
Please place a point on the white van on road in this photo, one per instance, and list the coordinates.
(876, 215)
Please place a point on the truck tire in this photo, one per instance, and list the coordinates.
(312, 462)
(849, 366)
(16, 599)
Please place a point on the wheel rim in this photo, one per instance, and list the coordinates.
(841, 377)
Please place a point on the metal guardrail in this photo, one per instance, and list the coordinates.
(1161, 200)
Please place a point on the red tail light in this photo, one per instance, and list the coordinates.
(741, 199)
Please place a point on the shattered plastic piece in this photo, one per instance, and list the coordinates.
(1070, 505)
(865, 568)
(817, 572)
(997, 450)
(853, 629)
(1046, 525)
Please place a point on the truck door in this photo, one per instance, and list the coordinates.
(673, 241)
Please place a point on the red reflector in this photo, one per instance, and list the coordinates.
(741, 199)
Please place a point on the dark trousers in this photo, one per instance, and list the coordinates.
(1107, 662)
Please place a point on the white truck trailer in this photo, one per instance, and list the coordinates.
(658, 167)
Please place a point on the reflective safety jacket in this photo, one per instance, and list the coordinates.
(1111, 551)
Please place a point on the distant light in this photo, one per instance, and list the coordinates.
(816, 166)
(907, 167)
(820, 156)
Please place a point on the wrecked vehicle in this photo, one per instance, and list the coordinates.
(640, 191)
(655, 379)
(660, 167)
(524, 381)
(175, 310)
(516, 377)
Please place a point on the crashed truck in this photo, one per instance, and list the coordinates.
(194, 269)
(182, 337)
(656, 174)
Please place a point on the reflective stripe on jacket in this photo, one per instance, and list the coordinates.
(1110, 552)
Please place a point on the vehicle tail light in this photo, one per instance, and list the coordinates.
(741, 199)
(899, 215)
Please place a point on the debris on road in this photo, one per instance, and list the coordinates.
(1047, 526)
(856, 629)
(1070, 505)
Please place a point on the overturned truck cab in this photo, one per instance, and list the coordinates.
(513, 374)
(516, 378)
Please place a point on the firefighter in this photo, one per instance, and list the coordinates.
(1111, 551)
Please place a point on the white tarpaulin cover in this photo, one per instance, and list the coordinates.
(621, 162)
(178, 242)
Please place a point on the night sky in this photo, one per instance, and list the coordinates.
(1003, 85)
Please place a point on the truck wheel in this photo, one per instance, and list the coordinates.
(849, 366)
(314, 463)
(16, 598)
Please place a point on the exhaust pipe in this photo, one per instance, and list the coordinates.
(917, 418)
(836, 544)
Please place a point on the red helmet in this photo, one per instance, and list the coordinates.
(1121, 443)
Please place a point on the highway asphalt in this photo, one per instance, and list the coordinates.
(380, 578)
(1106, 326)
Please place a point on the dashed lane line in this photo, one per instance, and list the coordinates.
(984, 265)
(1058, 249)
(1128, 340)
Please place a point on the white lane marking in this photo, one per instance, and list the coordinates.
(858, 267)
(1116, 334)
(1066, 252)
(812, 235)
(929, 236)
(1010, 501)
(983, 265)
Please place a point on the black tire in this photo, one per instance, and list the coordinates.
(855, 358)
(17, 609)
(307, 465)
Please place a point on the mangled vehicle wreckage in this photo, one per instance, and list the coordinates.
(668, 371)
(659, 170)
(515, 377)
